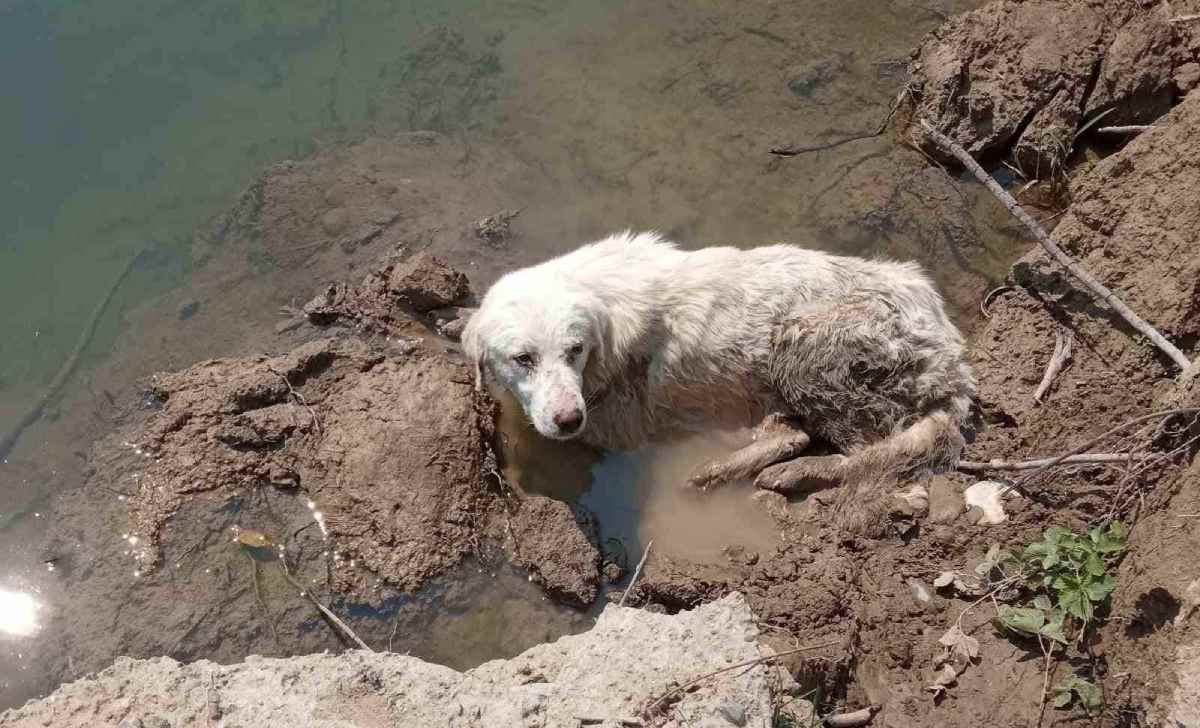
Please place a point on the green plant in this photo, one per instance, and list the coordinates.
(1090, 697)
(1066, 573)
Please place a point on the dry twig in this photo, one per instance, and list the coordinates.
(1062, 352)
(636, 573)
(949, 146)
(1185, 18)
(1094, 458)
(323, 609)
(1130, 129)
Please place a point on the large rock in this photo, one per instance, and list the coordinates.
(629, 659)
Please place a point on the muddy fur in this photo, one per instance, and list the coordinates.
(645, 341)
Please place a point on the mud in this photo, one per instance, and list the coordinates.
(1131, 226)
(1022, 78)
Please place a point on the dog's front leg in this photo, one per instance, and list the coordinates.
(777, 438)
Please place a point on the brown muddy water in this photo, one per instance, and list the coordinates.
(135, 126)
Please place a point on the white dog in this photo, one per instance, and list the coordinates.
(630, 339)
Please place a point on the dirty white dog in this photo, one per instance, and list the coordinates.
(630, 340)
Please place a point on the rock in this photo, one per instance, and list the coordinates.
(558, 547)
(188, 309)
(495, 229)
(628, 658)
(920, 593)
(425, 282)
(334, 221)
(945, 502)
(987, 496)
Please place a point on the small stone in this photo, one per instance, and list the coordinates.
(612, 573)
(188, 309)
(426, 282)
(920, 593)
(974, 514)
(732, 712)
(945, 502)
(335, 221)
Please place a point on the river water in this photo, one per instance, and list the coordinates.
(128, 125)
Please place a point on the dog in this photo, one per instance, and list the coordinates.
(631, 340)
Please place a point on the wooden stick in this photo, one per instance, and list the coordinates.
(1185, 18)
(9, 441)
(971, 466)
(1131, 129)
(636, 573)
(947, 145)
(324, 610)
(1062, 353)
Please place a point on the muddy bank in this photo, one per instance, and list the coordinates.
(1022, 78)
(629, 659)
(1130, 223)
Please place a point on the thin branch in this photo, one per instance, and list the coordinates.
(853, 719)
(1130, 129)
(1185, 18)
(949, 146)
(748, 663)
(972, 466)
(636, 573)
(1062, 353)
(792, 150)
(324, 610)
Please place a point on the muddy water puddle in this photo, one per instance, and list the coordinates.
(586, 117)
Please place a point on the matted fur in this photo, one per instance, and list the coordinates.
(647, 341)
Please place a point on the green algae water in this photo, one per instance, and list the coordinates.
(126, 126)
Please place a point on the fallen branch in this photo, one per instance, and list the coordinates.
(1131, 129)
(9, 441)
(748, 663)
(323, 609)
(971, 466)
(636, 573)
(793, 150)
(949, 146)
(1062, 352)
(588, 720)
(853, 719)
(1112, 431)
(1185, 18)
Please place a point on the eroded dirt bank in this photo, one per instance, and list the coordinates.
(405, 490)
(1132, 221)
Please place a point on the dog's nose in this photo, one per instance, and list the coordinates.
(569, 422)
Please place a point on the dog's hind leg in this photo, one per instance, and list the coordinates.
(776, 438)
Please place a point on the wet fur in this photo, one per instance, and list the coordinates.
(859, 353)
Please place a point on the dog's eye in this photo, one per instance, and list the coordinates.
(524, 360)
(574, 350)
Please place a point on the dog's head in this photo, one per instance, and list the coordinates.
(536, 333)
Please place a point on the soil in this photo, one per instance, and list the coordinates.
(1022, 78)
(364, 410)
(1129, 223)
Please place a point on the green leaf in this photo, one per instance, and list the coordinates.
(1090, 695)
(1021, 619)
(1062, 698)
(1112, 539)
(1056, 534)
(1042, 602)
(1099, 589)
(1094, 564)
(1076, 603)
(1053, 628)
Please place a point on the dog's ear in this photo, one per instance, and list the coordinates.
(474, 346)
